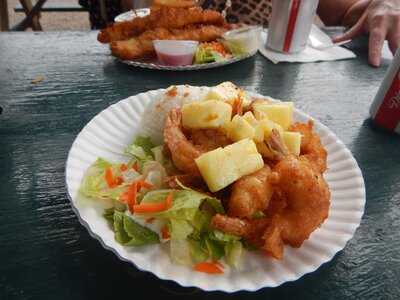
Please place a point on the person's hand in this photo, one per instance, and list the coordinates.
(379, 18)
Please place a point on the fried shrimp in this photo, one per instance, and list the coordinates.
(208, 139)
(311, 146)
(183, 152)
(308, 199)
(252, 193)
(250, 230)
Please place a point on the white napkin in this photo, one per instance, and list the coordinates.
(319, 48)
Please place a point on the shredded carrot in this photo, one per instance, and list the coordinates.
(132, 196)
(154, 207)
(208, 267)
(123, 167)
(135, 166)
(149, 207)
(109, 178)
(118, 180)
(165, 232)
(144, 184)
(129, 197)
(218, 264)
(168, 200)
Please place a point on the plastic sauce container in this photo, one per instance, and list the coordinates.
(385, 109)
(246, 38)
(174, 52)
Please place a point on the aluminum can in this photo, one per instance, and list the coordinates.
(385, 109)
(290, 24)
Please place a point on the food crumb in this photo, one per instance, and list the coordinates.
(172, 92)
(37, 79)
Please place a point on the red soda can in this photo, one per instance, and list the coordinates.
(385, 109)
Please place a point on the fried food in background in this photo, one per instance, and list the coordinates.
(142, 46)
(161, 17)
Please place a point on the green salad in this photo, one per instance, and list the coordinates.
(144, 211)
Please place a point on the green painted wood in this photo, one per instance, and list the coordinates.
(47, 254)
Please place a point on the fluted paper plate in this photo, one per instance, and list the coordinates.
(107, 134)
(156, 66)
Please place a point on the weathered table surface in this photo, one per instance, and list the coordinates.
(45, 252)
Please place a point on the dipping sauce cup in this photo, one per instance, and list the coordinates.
(174, 52)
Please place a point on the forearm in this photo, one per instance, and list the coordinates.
(333, 12)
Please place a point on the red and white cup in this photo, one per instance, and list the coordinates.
(385, 109)
(290, 24)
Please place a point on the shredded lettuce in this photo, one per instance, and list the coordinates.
(94, 184)
(205, 55)
(235, 47)
(140, 149)
(197, 251)
(129, 233)
(180, 229)
(233, 253)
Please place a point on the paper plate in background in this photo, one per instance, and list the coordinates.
(108, 133)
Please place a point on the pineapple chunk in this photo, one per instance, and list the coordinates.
(245, 156)
(228, 92)
(258, 128)
(280, 113)
(240, 129)
(268, 125)
(206, 114)
(292, 141)
(216, 169)
(223, 166)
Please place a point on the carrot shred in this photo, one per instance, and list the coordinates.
(118, 181)
(108, 175)
(154, 207)
(144, 184)
(123, 167)
(208, 267)
(218, 264)
(135, 166)
(129, 197)
(149, 207)
(132, 196)
(165, 232)
(168, 200)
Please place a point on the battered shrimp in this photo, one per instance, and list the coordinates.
(299, 206)
(311, 146)
(183, 152)
(308, 198)
(208, 139)
(252, 193)
(251, 230)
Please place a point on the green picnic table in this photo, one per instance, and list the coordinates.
(46, 253)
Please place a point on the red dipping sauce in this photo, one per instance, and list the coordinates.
(175, 53)
(175, 60)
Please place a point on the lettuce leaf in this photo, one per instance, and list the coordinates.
(94, 184)
(130, 233)
(180, 229)
(205, 55)
(235, 47)
(233, 253)
(140, 149)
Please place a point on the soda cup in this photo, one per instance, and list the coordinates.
(290, 24)
(385, 109)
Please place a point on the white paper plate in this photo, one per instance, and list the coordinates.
(108, 133)
(155, 66)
